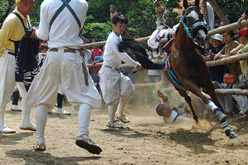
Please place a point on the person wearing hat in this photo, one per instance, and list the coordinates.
(12, 31)
(171, 115)
(217, 72)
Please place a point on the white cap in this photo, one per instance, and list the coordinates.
(217, 37)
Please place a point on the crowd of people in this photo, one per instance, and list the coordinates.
(61, 69)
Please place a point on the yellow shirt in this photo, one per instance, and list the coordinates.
(243, 63)
(12, 29)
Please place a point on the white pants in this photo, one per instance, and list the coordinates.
(7, 85)
(114, 84)
(61, 89)
(64, 68)
(7, 77)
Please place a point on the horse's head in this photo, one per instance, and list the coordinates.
(194, 23)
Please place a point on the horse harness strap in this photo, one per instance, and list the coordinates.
(61, 8)
(195, 25)
(172, 75)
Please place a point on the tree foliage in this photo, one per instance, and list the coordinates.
(141, 14)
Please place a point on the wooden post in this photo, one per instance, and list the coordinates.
(229, 27)
(228, 60)
(232, 91)
(217, 10)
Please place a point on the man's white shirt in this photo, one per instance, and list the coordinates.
(63, 31)
(112, 56)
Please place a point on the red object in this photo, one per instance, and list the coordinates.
(243, 32)
(229, 78)
(96, 52)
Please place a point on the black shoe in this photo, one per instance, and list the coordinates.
(88, 145)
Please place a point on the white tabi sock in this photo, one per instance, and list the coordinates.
(26, 110)
(111, 112)
(2, 111)
(122, 104)
(41, 119)
(84, 114)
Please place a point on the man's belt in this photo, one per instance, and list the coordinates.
(112, 68)
(65, 50)
(72, 50)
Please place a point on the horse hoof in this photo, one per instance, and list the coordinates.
(233, 135)
(221, 117)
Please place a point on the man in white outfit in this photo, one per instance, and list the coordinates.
(11, 33)
(116, 88)
(60, 24)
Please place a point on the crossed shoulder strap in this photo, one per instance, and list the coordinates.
(65, 4)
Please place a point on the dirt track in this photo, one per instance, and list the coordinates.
(147, 140)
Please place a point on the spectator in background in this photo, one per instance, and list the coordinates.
(243, 39)
(96, 56)
(87, 55)
(153, 75)
(228, 38)
(227, 101)
(42, 54)
(216, 72)
(244, 16)
(216, 24)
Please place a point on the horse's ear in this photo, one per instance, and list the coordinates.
(185, 4)
(197, 2)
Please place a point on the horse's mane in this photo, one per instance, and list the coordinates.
(180, 10)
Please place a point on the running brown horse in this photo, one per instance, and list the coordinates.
(187, 70)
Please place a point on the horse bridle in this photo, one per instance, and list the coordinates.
(197, 25)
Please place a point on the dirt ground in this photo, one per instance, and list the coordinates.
(147, 140)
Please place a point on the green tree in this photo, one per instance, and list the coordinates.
(141, 14)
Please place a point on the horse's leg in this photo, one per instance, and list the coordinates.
(209, 89)
(192, 87)
(188, 100)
